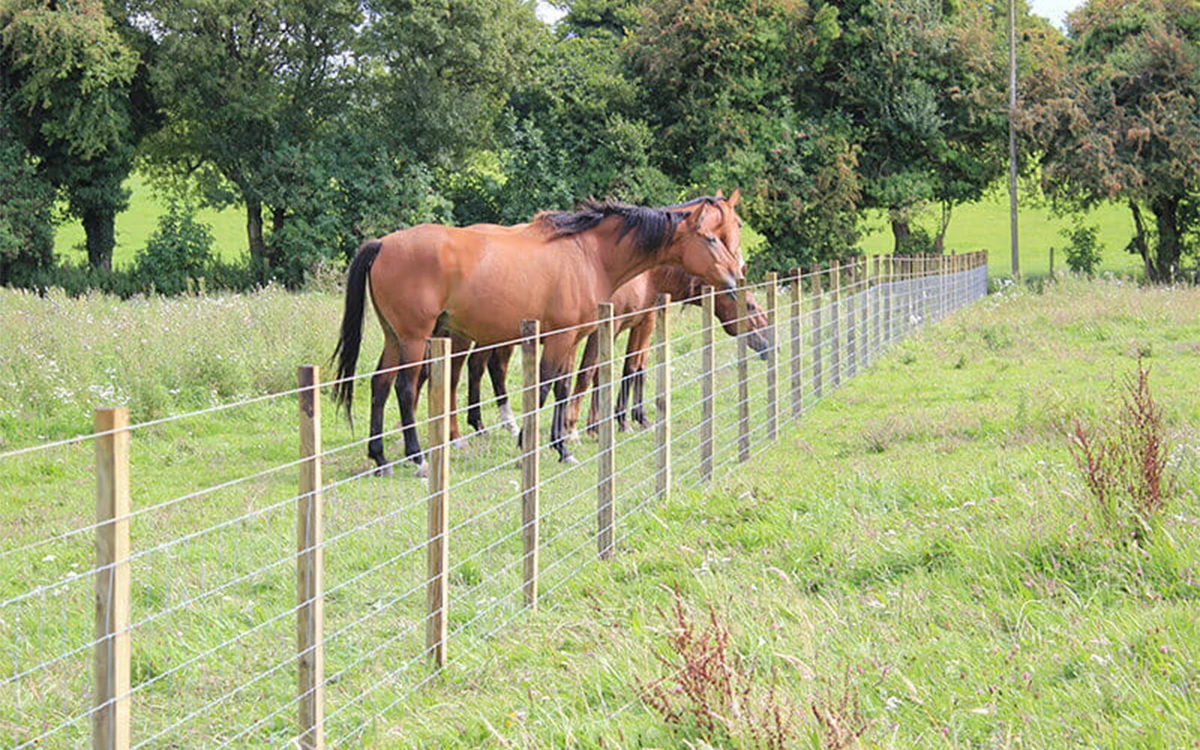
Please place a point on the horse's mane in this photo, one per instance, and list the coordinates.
(652, 228)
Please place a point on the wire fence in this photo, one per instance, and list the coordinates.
(198, 581)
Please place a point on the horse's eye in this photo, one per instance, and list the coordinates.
(711, 239)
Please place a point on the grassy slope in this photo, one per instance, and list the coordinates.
(922, 535)
(922, 528)
(982, 225)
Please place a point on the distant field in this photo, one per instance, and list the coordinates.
(982, 225)
(136, 225)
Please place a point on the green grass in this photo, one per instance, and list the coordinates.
(978, 226)
(919, 538)
(135, 225)
(985, 226)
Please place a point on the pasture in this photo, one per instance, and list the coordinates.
(920, 541)
(974, 226)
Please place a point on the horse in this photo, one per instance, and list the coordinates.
(637, 296)
(484, 282)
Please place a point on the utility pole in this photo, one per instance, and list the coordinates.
(1012, 137)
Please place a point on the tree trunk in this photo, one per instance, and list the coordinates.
(254, 232)
(939, 242)
(1166, 215)
(99, 225)
(901, 232)
(1139, 239)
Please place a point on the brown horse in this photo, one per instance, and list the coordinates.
(637, 296)
(556, 269)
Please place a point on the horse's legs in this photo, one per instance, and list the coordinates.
(497, 365)
(558, 355)
(381, 386)
(475, 364)
(458, 348)
(587, 371)
(638, 352)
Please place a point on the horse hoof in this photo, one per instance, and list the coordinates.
(573, 436)
(422, 470)
(459, 443)
(570, 460)
(513, 428)
(384, 471)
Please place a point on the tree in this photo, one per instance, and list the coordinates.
(243, 85)
(725, 90)
(922, 84)
(26, 233)
(1124, 122)
(79, 104)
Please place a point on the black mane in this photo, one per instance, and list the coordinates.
(652, 228)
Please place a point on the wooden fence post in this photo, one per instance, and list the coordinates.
(604, 387)
(851, 319)
(743, 377)
(888, 277)
(877, 316)
(707, 382)
(310, 567)
(662, 396)
(772, 355)
(797, 344)
(818, 303)
(112, 652)
(438, 552)
(835, 331)
(864, 344)
(531, 427)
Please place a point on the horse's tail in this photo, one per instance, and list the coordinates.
(350, 340)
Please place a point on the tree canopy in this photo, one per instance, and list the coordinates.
(333, 122)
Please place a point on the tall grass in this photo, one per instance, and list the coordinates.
(63, 356)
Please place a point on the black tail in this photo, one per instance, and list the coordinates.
(350, 341)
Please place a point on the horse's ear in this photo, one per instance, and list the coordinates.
(696, 218)
(720, 193)
(733, 199)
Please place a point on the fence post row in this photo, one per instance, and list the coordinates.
(817, 304)
(743, 375)
(531, 428)
(772, 355)
(797, 343)
(662, 397)
(310, 567)
(877, 313)
(894, 287)
(605, 492)
(112, 652)
(864, 344)
(438, 551)
(835, 332)
(707, 381)
(851, 318)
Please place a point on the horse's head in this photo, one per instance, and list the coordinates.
(710, 238)
(726, 311)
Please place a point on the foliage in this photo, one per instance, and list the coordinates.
(79, 97)
(1084, 249)
(1124, 464)
(707, 688)
(177, 253)
(1123, 122)
(26, 236)
(921, 83)
(246, 87)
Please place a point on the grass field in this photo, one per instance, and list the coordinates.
(985, 226)
(979, 226)
(917, 557)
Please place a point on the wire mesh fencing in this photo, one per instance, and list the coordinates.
(242, 577)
